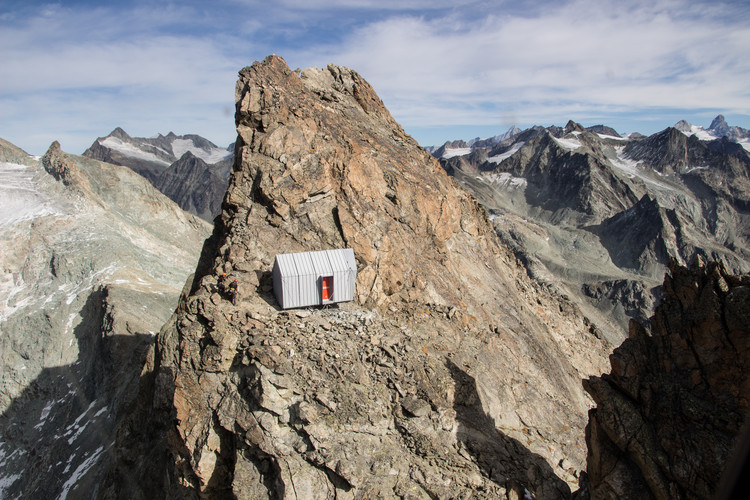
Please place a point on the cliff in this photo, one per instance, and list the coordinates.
(669, 415)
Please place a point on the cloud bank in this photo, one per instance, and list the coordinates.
(73, 73)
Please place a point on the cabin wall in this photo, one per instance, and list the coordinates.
(297, 277)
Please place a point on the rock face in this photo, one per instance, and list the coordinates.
(451, 374)
(191, 184)
(669, 414)
(587, 210)
(92, 261)
(190, 170)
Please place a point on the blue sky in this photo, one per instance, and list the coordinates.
(72, 71)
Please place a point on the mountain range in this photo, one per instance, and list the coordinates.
(600, 215)
(189, 169)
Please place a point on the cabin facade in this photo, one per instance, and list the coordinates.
(314, 278)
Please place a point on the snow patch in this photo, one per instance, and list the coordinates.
(80, 471)
(44, 415)
(130, 150)
(604, 136)
(503, 156)
(214, 155)
(505, 180)
(6, 482)
(453, 152)
(691, 169)
(569, 144)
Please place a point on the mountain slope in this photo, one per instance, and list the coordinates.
(93, 259)
(191, 184)
(451, 374)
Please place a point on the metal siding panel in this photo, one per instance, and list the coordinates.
(294, 279)
(339, 275)
(307, 280)
(351, 276)
(287, 272)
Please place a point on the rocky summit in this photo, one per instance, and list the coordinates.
(92, 262)
(451, 375)
(670, 413)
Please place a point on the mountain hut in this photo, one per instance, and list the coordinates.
(314, 278)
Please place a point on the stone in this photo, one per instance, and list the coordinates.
(415, 407)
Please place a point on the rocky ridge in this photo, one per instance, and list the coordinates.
(670, 412)
(452, 374)
(190, 170)
(92, 261)
(599, 215)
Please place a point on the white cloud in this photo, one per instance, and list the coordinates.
(71, 76)
(565, 59)
(74, 74)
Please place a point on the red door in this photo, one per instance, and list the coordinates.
(327, 286)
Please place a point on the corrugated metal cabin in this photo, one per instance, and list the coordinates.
(314, 278)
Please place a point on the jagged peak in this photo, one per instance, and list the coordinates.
(572, 126)
(719, 126)
(683, 126)
(717, 122)
(119, 133)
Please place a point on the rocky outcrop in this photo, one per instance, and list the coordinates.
(63, 169)
(92, 261)
(451, 374)
(669, 414)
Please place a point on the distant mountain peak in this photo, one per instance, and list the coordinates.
(572, 126)
(119, 133)
(719, 125)
(683, 126)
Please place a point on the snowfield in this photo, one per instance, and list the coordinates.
(20, 199)
(215, 155)
(503, 156)
(450, 153)
(569, 144)
(130, 150)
